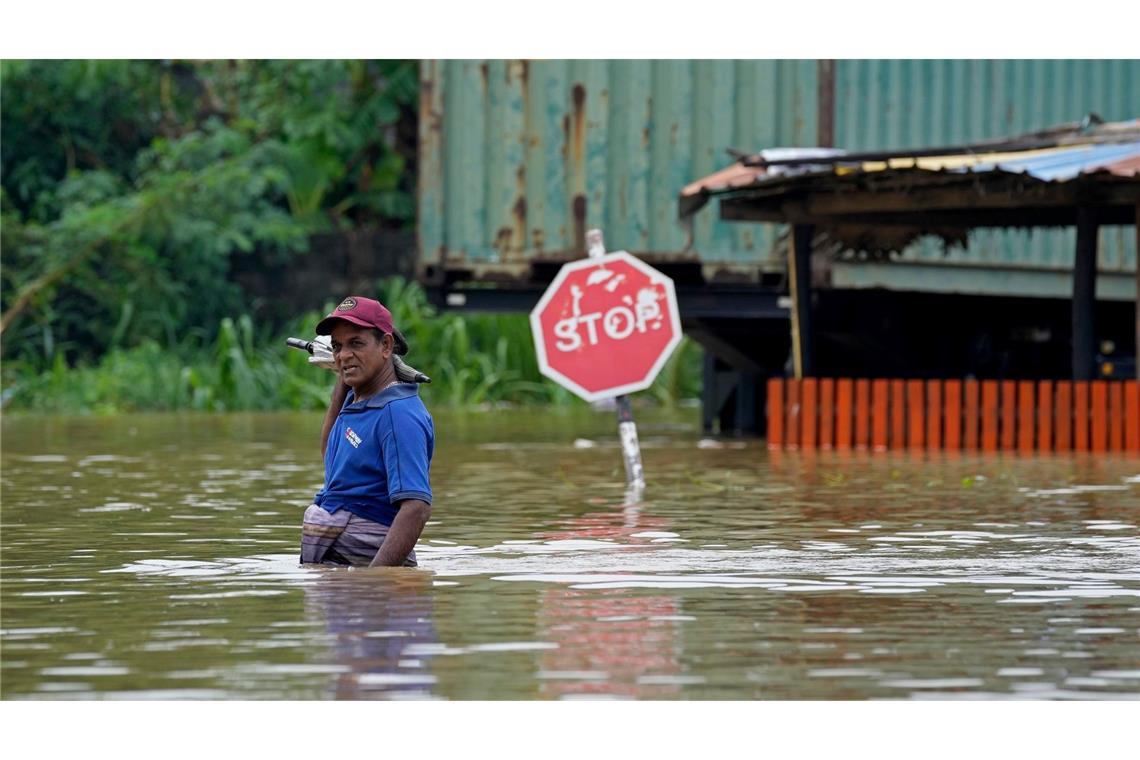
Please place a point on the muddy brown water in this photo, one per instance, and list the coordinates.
(156, 557)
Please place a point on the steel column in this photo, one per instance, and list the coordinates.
(799, 274)
(1084, 296)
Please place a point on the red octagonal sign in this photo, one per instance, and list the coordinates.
(606, 326)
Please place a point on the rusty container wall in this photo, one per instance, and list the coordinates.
(887, 104)
(519, 158)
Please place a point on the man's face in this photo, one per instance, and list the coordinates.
(359, 356)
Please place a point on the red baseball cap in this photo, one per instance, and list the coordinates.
(359, 311)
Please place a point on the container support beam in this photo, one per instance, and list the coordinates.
(1084, 295)
(799, 274)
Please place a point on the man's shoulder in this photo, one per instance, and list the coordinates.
(407, 419)
(408, 408)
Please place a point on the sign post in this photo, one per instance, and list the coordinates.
(627, 428)
(603, 329)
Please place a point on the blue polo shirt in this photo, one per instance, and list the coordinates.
(378, 454)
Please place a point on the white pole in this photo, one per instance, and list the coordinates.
(627, 429)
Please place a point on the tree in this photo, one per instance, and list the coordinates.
(129, 186)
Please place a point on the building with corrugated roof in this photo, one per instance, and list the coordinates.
(519, 158)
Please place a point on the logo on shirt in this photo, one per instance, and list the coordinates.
(352, 437)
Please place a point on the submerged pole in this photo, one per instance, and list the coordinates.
(627, 429)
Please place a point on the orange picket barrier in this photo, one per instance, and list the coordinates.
(826, 412)
(1098, 416)
(862, 413)
(1007, 428)
(844, 388)
(1045, 416)
(972, 407)
(953, 421)
(879, 414)
(989, 415)
(775, 412)
(1063, 421)
(952, 418)
(898, 414)
(933, 414)
(792, 426)
(1099, 428)
(1116, 417)
(1132, 415)
(1025, 415)
(1081, 416)
(916, 427)
(809, 410)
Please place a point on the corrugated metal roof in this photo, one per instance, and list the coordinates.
(1112, 148)
(1062, 164)
(881, 203)
(902, 104)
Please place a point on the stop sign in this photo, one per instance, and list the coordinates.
(606, 326)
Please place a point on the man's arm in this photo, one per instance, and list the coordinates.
(336, 401)
(410, 520)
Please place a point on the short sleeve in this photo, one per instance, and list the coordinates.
(406, 446)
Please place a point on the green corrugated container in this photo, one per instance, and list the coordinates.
(519, 158)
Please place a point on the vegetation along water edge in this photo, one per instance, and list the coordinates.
(473, 360)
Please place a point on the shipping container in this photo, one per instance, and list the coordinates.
(519, 158)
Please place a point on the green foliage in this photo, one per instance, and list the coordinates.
(62, 117)
(473, 360)
(129, 188)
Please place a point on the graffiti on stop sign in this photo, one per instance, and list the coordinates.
(618, 323)
(606, 325)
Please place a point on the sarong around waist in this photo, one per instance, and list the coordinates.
(342, 538)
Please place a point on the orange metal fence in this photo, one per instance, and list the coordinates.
(969, 415)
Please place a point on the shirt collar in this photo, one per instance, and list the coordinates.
(381, 399)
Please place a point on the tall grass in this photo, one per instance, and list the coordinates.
(473, 360)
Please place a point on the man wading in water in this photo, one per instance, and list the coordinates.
(377, 441)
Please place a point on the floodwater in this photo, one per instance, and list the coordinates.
(156, 557)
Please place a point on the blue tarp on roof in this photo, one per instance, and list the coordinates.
(1065, 163)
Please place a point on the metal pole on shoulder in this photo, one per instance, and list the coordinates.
(627, 428)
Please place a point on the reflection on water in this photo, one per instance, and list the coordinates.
(381, 633)
(156, 557)
(610, 643)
